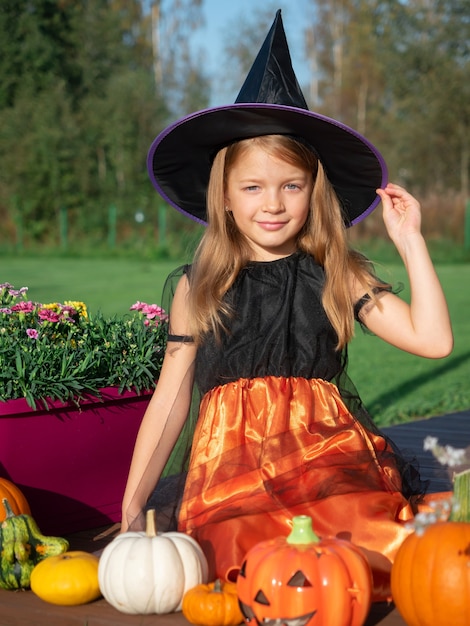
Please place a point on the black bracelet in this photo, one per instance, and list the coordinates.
(180, 338)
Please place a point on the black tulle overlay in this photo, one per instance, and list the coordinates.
(278, 329)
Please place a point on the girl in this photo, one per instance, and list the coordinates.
(260, 322)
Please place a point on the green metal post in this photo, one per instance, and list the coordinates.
(467, 226)
(162, 225)
(18, 219)
(112, 225)
(63, 227)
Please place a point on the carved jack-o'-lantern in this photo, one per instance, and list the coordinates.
(302, 580)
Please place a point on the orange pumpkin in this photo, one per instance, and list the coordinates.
(304, 579)
(17, 501)
(214, 604)
(430, 578)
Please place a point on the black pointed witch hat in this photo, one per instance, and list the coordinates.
(270, 102)
(271, 78)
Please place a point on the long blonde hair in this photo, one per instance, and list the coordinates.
(224, 251)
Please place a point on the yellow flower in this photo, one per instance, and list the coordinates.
(52, 306)
(80, 307)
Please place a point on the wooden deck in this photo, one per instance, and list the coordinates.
(23, 608)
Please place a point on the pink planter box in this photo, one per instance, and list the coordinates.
(71, 463)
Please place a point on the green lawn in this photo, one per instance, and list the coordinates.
(108, 285)
(395, 386)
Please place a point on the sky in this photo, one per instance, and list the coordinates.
(220, 14)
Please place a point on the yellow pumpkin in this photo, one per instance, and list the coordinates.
(214, 604)
(67, 579)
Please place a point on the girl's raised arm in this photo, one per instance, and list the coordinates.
(422, 327)
(165, 414)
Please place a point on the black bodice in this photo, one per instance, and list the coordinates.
(278, 326)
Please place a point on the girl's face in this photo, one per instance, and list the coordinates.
(269, 200)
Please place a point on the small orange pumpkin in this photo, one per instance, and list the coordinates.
(430, 579)
(16, 499)
(214, 604)
(304, 579)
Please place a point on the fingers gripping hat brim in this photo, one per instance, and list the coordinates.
(270, 102)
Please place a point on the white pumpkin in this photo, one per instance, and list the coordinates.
(148, 572)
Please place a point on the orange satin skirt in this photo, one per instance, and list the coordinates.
(267, 449)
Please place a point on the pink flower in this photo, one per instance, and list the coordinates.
(24, 307)
(46, 315)
(32, 333)
(151, 311)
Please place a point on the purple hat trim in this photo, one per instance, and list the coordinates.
(270, 102)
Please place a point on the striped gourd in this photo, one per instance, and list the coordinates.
(22, 546)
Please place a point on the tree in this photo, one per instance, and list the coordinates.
(177, 73)
(342, 42)
(36, 46)
(244, 37)
(38, 166)
(399, 72)
(79, 105)
(428, 66)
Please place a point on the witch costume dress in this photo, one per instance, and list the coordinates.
(280, 430)
(276, 434)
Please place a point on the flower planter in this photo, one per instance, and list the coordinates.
(71, 463)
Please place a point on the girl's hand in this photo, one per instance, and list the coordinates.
(401, 212)
(423, 326)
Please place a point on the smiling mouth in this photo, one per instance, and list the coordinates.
(271, 225)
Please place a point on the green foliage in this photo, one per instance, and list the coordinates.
(398, 72)
(79, 105)
(43, 159)
(36, 47)
(394, 385)
(83, 92)
(85, 86)
(427, 60)
(58, 351)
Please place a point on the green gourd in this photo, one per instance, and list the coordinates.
(22, 546)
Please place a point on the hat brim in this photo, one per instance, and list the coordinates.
(180, 158)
